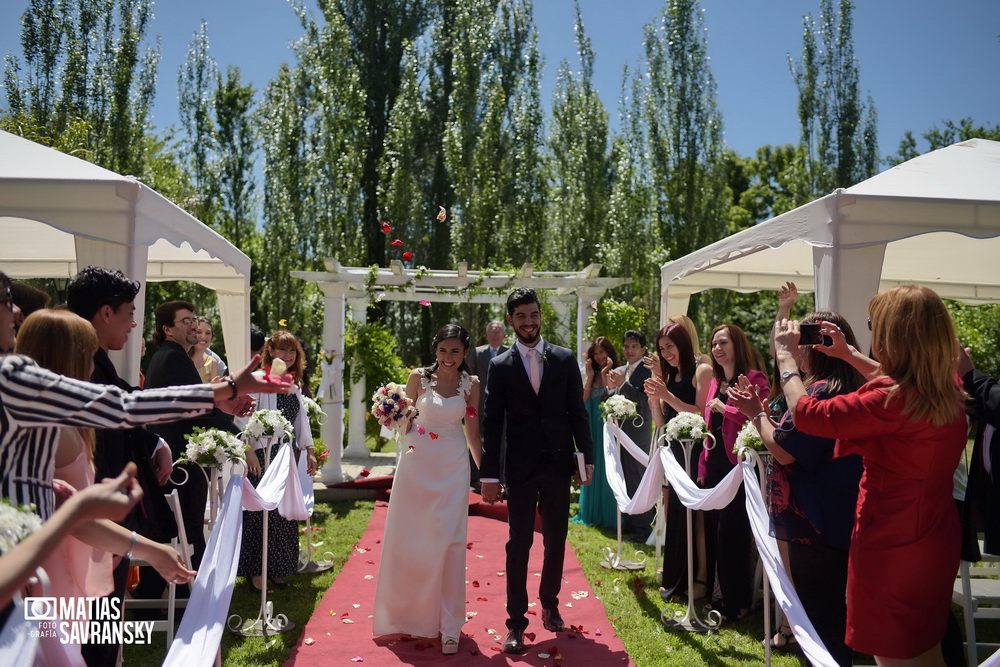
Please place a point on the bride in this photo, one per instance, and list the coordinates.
(421, 582)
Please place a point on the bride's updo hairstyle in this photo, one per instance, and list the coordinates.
(448, 332)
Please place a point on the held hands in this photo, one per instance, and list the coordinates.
(492, 492)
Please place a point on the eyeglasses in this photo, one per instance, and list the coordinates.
(7, 300)
(869, 324)
(186, 321)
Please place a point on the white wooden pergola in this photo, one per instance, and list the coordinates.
(351, 289)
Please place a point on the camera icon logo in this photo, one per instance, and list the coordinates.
(40, 609)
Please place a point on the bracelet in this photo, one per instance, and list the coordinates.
(131, 547)
(762, 412)
(232, 385)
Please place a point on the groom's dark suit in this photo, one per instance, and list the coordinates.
(542, 433)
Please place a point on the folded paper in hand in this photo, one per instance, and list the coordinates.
(581, 466)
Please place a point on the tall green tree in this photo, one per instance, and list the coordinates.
(580, 188)
(86, 73)
(378, 33)
(838, 129)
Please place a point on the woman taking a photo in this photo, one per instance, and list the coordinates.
(812, 494)
(908, 425)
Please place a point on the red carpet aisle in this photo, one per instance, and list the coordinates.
(339, 633)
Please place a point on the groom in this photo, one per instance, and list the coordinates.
(536, 388)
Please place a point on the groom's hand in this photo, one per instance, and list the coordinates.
(590, 476)
(492, 492)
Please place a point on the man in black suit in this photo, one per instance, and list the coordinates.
(479, 365)
(106, 299)
(536, 389)
(176, 331)
(479, 360)
(628, 381)
(982, 497)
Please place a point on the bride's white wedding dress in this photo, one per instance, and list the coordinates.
(421, 579)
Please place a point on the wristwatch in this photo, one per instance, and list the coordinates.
(787, 375)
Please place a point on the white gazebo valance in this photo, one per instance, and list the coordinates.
(933, 220)
(354, 287)
(59, 214)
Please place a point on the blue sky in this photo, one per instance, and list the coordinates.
(923, 61)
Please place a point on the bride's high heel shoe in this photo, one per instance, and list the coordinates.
(449, 645)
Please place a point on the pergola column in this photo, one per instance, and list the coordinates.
(356, 446)
(585, 296)
(332, 402)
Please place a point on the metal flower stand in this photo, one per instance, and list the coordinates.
(613, 557)
(689, 621)
(306, 564)
(267, 622)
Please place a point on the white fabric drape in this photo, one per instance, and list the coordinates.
(200, 632)
(663, 467)
(282, 474)
(306, 484)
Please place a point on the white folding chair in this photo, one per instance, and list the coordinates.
(977, 590)
(171, 603)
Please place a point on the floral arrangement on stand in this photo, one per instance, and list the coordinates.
(686, 426)
(213, 447)
(267, 423)
(315, 414)
(748, 438)
(16, 523)
(618, 408)
(390, 405)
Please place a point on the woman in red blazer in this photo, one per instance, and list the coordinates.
(908, 424)
(727, 531)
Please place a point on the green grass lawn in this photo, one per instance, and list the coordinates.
(632, 601)
(341, 525)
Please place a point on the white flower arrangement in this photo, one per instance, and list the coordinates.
(618, 408)
(315, 413)
(267, 422)
(16, 523)
(213, 447)
(686, 426)
(748, 438)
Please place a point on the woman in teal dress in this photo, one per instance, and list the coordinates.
(597, 502)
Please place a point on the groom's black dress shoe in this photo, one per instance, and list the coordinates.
(551, 620)
(514, 642)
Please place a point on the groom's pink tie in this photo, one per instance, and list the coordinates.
(534, 375)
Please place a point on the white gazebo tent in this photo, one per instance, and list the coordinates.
(933, 220)
(59, 213)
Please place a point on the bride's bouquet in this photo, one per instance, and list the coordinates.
(618, 408)
(748, 438)
(16, 523)
(213, 447)
(266, 423)
(390, 405)
(685, 426)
